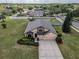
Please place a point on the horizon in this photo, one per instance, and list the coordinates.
(39, 1)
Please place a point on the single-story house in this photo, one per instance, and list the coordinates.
(30, 13)
(38, 12)
(43, 28)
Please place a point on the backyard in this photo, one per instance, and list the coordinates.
(9, 49)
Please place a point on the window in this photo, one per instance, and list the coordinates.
(40, 29)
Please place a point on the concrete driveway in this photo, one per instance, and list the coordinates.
(48, 49)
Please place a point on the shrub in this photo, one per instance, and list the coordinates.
(3, 25)
(27, 41)
(59, 39)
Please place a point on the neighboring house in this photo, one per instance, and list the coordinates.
(30, 13)
(42, 27)
(7, 10)
(38, 12)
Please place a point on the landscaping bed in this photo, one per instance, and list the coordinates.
(27, 41)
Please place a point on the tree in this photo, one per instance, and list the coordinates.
(13, 11)
(2, 17)
(20, 10)
(76, 12)
(3, 24)
(66, 26)
(30, 8)
(36, 6)
(44, 7)
(57, 6)
(51, 10)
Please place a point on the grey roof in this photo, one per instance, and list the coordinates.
(37, 9)
(38, 12)
(40, 22)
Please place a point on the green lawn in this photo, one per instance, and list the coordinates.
(76, 18)
(53, 20)
(70, 48)
(9, 49)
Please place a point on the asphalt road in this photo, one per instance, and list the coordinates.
(73, 27)
(74, 23)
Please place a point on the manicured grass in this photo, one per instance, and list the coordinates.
(76, 18)
(9, 49)
(70, 48)
(53, 20)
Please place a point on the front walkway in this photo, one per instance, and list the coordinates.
(48, 49)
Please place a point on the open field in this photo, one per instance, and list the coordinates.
(9, 49)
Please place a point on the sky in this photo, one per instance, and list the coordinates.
(39, 1)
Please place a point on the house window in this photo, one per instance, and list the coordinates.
(30, 34)
(40, 29)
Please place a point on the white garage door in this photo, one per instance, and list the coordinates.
(49, 36)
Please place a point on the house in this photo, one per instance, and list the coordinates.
(30, 13)
(43, 28)
(38, 12)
